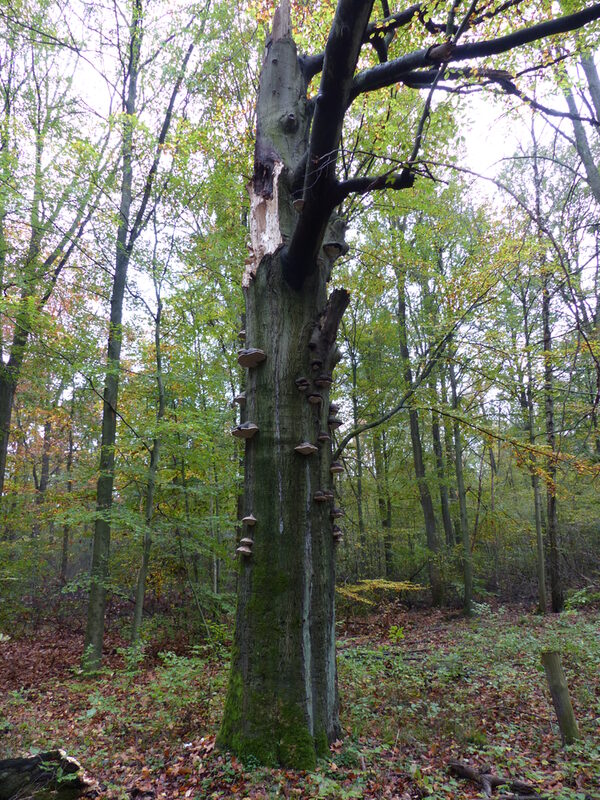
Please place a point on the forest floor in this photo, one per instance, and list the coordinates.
(418, 689)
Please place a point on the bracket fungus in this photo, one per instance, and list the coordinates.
(323, 437)
(336, 468)
(245, 431)
(323, 380)
(250, 519)
(333, 250)
(244, 550)
(336, 512)
(240, 399)
(316, 364)
(333, 408)
(242, 336)
(337, 534)
(306, 448)
(251, 357)
(328, 494)
(302, 384)
(246, 541)
(315, 398)
(334, 422)
(319, 497)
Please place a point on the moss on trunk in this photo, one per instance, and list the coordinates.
(282, 702)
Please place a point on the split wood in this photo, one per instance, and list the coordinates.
(488, 782)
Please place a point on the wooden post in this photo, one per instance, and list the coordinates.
(560, 696)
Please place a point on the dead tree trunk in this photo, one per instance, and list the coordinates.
(282, 701)
(281, 705)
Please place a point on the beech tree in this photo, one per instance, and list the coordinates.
(282, 704)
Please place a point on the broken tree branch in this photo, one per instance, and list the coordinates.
(488, 782)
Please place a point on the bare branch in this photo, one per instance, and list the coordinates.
(393, 71)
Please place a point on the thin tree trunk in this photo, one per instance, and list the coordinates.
(127, 235)
(496, 544)
(556, 590)
(462, 501)
(383, 501)
(42, 484)
(435, 577)
(94, 635)
(140, 592)
(359, 467)
(442, 478)
(217, 534)
(449, 451)
(9, 378)
(64, 559)
(526, 401)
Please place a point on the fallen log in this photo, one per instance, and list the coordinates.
(483, 777)
(53, 774)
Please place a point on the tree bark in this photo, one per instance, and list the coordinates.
(128, 232)
(42, 484)
(359, 467)
(64, 558)
(9, 378)
(435, 577)
(442, 478)
(282, 699)
(384, 500)
(462, 501)
(559, 690)
(140, 592)
(527, 406)
(556, 590)
(99, 570)
(282, 705)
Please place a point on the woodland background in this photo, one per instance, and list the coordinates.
(474, 314)
(492, 285)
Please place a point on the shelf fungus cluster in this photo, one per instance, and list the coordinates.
(248, 357)
(251, 357)
(245, 430)
(245, 547)
(306, 449)
(314, 384)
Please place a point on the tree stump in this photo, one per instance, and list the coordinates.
(46, 776)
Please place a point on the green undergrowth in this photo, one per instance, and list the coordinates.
(428, 689)
(476, 692)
